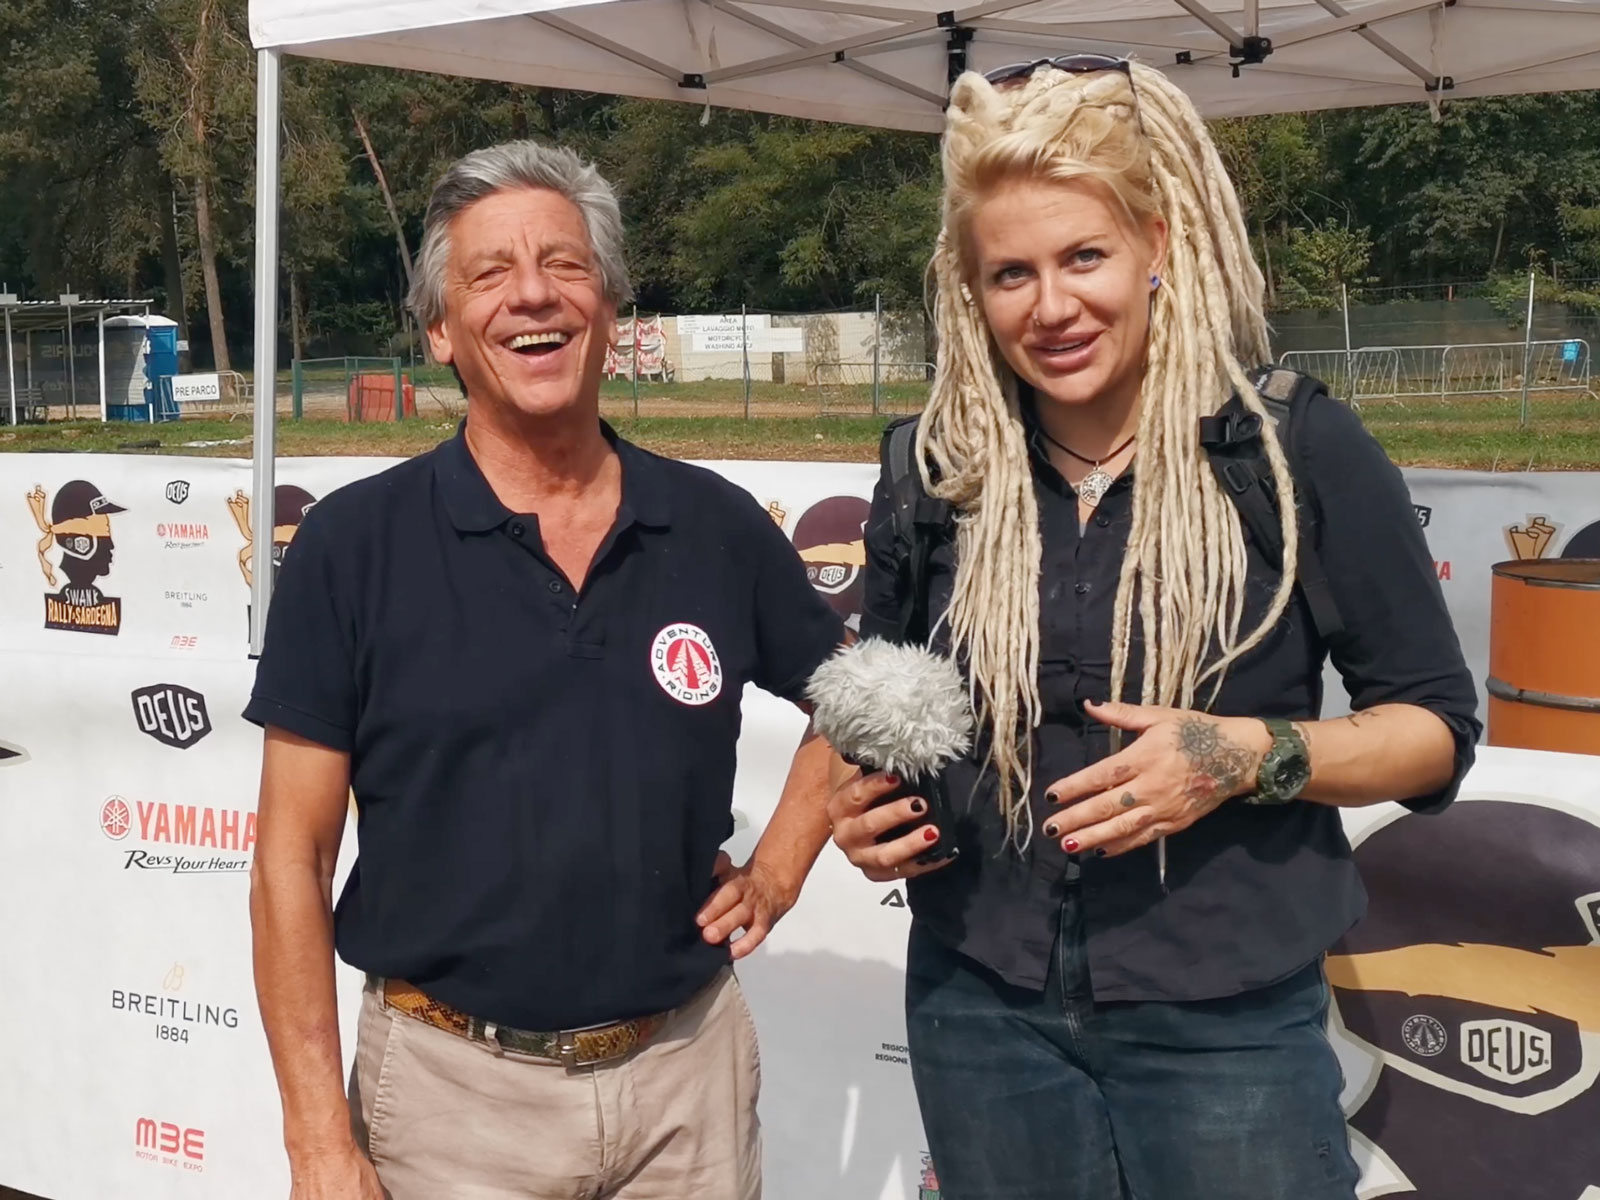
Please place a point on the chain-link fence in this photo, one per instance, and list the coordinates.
(1446, 351)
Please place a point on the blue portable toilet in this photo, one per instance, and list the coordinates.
(141, 351)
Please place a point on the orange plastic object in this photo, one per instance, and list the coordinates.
(372, 397)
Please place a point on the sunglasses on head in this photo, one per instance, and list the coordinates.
(1074, 64)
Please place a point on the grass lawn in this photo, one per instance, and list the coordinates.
(705, 421)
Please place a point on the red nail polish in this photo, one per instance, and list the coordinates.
(930, 834)
(1070, 846)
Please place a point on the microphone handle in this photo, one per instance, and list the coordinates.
(931, 787)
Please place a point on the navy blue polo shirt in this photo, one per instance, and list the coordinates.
(543, 776)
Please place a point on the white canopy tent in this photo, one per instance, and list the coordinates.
(890, 63)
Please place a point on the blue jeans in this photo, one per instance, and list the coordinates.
(1050, 1096)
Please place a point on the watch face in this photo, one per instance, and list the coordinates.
(1294, 772)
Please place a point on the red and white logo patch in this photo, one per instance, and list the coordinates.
(116, 819)
(686, 664)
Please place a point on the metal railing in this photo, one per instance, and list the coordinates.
(1467, 369)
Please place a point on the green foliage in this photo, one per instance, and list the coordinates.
(1321, 262)
(112, 117)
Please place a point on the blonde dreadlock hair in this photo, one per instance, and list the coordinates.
(1183, 576)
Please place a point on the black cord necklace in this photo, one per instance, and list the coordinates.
(1093, 486)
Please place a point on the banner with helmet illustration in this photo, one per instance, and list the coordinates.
(135, 1063)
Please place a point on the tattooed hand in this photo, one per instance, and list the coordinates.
(1182, 766)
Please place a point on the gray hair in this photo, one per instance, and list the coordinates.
(525, 164)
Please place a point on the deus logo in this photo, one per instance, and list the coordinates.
(1476, 994)
(79, 525)
(172, 714)
(178, 491)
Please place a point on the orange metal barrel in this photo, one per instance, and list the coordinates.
(1544, 655)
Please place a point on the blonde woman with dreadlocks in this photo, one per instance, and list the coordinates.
(1114, 988)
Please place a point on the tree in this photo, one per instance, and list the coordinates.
(194, 82)
(1320, 262)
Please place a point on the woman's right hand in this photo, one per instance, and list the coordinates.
(856, 826)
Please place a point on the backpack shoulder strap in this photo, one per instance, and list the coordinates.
(918, 519)
(1232, 441)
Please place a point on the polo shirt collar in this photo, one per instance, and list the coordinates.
(474, 508)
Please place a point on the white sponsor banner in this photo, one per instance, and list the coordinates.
(134, 1059)
(189, 388)
(728, 333)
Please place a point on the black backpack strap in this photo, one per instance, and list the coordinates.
(918, 520)
(1232, 441)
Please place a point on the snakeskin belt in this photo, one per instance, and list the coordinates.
(571, 1048)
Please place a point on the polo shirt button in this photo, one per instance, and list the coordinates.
(518, 529)
(555, 587)
(1082, 589)
(1102, 520)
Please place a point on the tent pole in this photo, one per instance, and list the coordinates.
(11, 366)
(100, 330)
(263, 464)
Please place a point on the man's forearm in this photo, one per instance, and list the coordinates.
(292, 925)
(799, 826)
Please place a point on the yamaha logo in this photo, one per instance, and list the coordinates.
(178, 491)
(116, 818)
(172, 714)
(686, 664)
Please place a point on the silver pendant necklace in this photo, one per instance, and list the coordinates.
(1093, 486)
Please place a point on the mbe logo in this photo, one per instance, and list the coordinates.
(178, 491)
(172, 714)
(170, 1145)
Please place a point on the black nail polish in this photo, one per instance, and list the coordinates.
(1052, 831)
(1099, 853)
(917, 806)
(1051, 796)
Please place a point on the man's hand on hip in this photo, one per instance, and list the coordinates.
(343, 1174)
(751, 898)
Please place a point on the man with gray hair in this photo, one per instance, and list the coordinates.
(523, 653)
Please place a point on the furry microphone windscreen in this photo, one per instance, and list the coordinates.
(900, 709)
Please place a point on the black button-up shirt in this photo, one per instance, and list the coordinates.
(1253, 893)
(543, 776)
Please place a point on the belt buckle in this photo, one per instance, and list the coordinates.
(567, 1050)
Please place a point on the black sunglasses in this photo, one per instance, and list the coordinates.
(1075, 64)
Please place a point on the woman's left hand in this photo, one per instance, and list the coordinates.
(1182, 766)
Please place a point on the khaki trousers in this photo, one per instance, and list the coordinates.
(443, 1118)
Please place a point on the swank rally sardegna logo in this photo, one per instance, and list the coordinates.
(1533, 538)
(290, 504)
(1473, 985)
(79, 526)
(831, 541)
(686, 664)
(174, 838)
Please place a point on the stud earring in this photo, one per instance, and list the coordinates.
(1155, 282)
